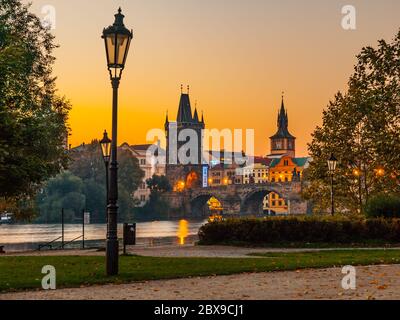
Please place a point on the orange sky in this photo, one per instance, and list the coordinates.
(238, 56)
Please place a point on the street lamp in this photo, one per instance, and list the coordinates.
(380, 172)
(105, 144)
(117, 40)
(332, 163)
(357, 174)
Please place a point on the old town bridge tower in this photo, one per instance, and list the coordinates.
(184, 154)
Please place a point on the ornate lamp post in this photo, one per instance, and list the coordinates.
(332, 163)
(117, 40)
(105, 144)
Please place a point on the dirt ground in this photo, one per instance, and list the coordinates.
(373, 282)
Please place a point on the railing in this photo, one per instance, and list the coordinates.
(63, 244)
(140, 242)
(69, 242)
(48, 244)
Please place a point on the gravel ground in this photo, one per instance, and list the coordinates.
(373, 282)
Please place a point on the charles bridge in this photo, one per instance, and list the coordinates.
(236, 199)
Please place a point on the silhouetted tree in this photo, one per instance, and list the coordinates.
(32, 117)
(362, 129)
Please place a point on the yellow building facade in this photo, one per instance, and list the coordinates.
(283, 170)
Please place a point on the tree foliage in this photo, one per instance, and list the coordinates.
(158, 184)
(32, 116)
(156, 207)
(362, 128)
(87, 166)
(383, 205)
(62, 192)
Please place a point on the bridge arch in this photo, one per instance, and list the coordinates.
(253, 201)
(199, 203)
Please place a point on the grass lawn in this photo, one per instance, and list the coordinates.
(20, 273)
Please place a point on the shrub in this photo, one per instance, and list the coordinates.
(383, 205)
(278, 230)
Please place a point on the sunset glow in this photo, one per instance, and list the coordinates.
(237, 58)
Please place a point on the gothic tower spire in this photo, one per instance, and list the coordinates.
(283, 142)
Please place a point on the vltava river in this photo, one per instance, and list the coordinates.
(28, 236)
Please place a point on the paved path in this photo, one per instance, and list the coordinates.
(179, 251)
(373, 282)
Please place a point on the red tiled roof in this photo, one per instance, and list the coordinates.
(262, 160)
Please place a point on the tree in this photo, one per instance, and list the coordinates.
(158, 184)
(62, 192)
(87, 164)
(362, 128)
(96, 203)
(156, 207)
(32, 116)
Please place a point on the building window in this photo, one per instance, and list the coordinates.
(286, 162)
(142, 162)
(274, 203)
(142, 198)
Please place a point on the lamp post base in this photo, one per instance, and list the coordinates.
(112, 252)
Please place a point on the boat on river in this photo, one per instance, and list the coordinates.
(6, 218)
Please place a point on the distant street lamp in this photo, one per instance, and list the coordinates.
(332, 163)
(105, 144)
(380, 172)
(117, 40)
(357, 174)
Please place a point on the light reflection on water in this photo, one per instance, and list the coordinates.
(36, 233)
(183, 231)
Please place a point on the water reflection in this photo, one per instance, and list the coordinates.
(183, 231)
(35, 233)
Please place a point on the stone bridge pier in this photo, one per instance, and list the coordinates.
(246, 199)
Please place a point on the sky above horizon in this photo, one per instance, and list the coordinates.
(237, 56)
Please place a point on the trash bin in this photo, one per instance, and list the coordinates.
(129, 234)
